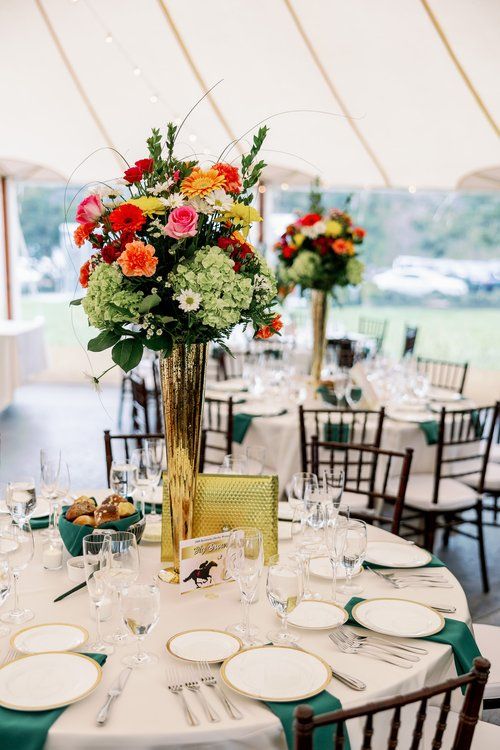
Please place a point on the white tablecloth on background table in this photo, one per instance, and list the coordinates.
(148, 717)
(22, 355)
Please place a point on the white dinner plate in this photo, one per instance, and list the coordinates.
(204, 645)
(315, 614)
(44, 681)
(53, 636)
(42, 509)
(399, 617)
(276, 673)
(261, 410)
(397, 555)
(322, 567)
(443, 394)
(407, 415)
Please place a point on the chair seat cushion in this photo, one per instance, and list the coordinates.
(486, 736)
(488, 640)
(453, 495)
(491, 481)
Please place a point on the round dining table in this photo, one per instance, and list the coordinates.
(148, 717)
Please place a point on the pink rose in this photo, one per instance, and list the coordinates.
(89, 210)
(181, 223)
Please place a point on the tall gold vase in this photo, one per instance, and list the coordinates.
(319, 312)
(183, 388)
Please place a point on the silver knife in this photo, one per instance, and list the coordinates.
(114, 691)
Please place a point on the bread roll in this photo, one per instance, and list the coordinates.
(126, 509)
(83, 498)
(106, 513)
(114, 499)
(83, 508)
(84, 521)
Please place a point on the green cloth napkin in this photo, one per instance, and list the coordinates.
(328, 395)
(434, 563)
(27, 730)
(455, 633)
(337, 433)
(242, 421)
(39, 523)
(72, 534)
(430, 430)
(321, 704)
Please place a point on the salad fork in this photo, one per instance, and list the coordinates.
(347, 648)
(175, 686)
(207, 678)
(374, 640)
(194, 686)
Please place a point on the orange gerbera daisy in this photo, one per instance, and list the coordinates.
(201, 182)
(274, 326)
(232, 181)
(82, 232)
(138, 259)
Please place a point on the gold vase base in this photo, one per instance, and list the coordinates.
(169, 575)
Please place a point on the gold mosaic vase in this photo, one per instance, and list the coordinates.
(182, 376)
(319, 312)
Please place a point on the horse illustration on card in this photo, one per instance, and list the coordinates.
(202, 562)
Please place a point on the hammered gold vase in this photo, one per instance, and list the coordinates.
(182, 377)
(319, 311)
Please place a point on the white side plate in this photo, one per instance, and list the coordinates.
(315, 614)
(203, 645)
(56, 636)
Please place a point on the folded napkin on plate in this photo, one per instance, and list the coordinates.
(434, 563)
(431, 431)
(321, 704)
(27, 730)
(455, 633)
(242, 421)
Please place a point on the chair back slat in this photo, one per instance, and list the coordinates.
(395, 727)
(441, 723)
(218, 425)
(410, 340)
(120, 446)
(375, 329)
(419, 725)
(368, 733)
(444, 374)
(340, 737)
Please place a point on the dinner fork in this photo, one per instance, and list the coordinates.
(194, 686)
(176, 687)
(375, 641)
(207, 678)
(411, 581)
(347, 648)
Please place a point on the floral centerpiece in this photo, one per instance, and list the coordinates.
(171, 269)
(319, 251)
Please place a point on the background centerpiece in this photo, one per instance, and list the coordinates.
(319, 251)
(171, 270)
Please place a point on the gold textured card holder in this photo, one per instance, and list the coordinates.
(228, 501)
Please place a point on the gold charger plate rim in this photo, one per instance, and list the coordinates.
(203, 630)
(83, 630)
(398, 599)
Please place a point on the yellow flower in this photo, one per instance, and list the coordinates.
(242, 216)
(333, 228)
(149, 205)
(201, 182)
(297, 240)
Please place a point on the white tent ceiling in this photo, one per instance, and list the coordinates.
(397, 92)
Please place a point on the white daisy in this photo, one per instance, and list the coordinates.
(202, 206)
(219, 199)
(104, 190)
(161, 187)
(188, 300)
(173, 201)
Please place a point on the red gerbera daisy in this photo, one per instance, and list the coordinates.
(127, 217)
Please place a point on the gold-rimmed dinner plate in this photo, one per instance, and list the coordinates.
(50, 636)
(322, 568)
(40, 682)
(317, 614)
(276, 673)
(203, 644)
(397, 555)
(398, 617)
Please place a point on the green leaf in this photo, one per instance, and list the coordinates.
(151, 300)
(103, 341)
(127, 353)
(126, 314)
(162, 343)
(76, 301)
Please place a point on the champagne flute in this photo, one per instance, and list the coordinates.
(122, 478)
(335, 536)
(139, 460)
(156, 462)
(122, 572)
(5, 586)
(63, 484)
(333, 486)
(17, 544)
(20, 498)
(96, 562)
(301, 483)
(244, 563)
(310, 541)
(284, 592)
(354, 554)
(50, 464)
(141, 612)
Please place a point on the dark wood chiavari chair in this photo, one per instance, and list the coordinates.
(217, 435)
(362, 426)
(444, 374)
(369, 478)
(141, 421)
(344, 350)
(410, 340)
(458, 481)
(466, 723)
(228, 366)
(121, 446)
(374, 328)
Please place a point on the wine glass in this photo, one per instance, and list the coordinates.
(284, 592)
(141, 612)
(244, 563)
(234, 464)
(20, 498)
(301, 483)
(156, 462)
(256, 459)
(310, 541)
(63, 483)
(123, 478)
(335, 536)
(96, 562)
(17, 544)
(5, 586)
(123, 572)
(354, 554)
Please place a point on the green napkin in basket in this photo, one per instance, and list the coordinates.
(242, 421)
(27, 730)
(321, 704)
(72, 534)
(455, 633)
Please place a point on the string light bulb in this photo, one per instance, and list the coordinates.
(108, 39)
(412, 189)
(262, 188)
(284, 185)
(153, 98)
(137, 71)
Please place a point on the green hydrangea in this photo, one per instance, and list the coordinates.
(264, 283)
(224, 293)
(305, 269)
(354, 271)
(110, 298)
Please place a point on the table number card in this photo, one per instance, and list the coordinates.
(202, 562)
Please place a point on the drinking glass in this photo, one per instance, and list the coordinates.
(96, 562)
(63, 483)
(310, 542)
(50, 465)
(244, 563)
(20, 498)
(301, 483)
(234, 464)
(123, 572)
(140, 612)
(142, 485)
(335, 536)
(122, 478)
(333, 486)
(156, 462)
(256, 459)
(5, 587)
(17, 544)
(284, 592)
(354, 554)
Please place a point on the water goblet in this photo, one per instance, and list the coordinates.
(234, 464)
(96, 563)
(301, 483)
(18, 546)
(284, 591)
(141, 612)
(122, 572)
(20, 498)
(123, 478)
(244, 563)
(335, 531)
(354, 554)
(333, 486)
(156, 462)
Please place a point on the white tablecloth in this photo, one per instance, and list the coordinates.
(148, 717)
(22, 354)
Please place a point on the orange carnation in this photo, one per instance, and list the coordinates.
(343, 247)
(138, 259)
(232, 182)
(267, 331)
(201, 182)
(82, 232)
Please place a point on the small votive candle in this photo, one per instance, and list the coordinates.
(52, 554)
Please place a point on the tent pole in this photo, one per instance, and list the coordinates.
(6, 244)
